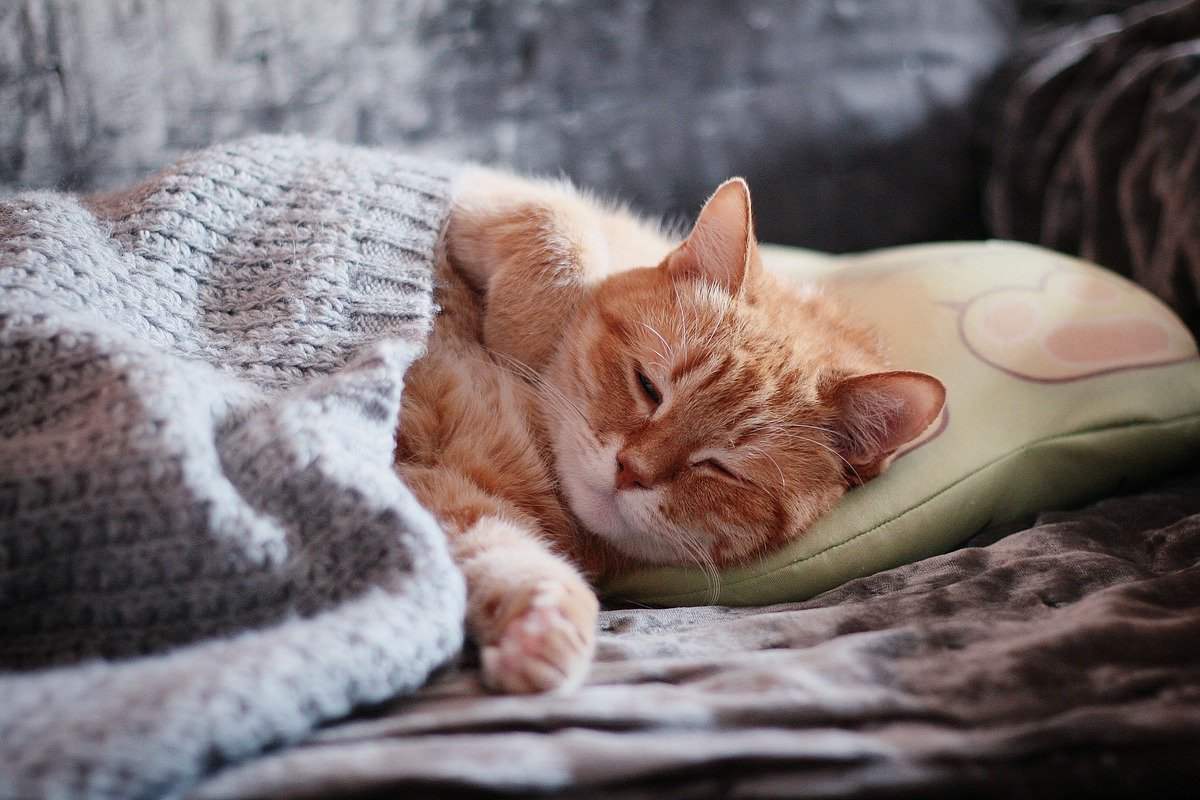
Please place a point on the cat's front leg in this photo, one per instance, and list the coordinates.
(532, 614)
(500, 221)
(525, 245)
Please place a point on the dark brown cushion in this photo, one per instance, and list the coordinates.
(1098, 150)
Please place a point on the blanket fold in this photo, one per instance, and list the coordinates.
(204, 547)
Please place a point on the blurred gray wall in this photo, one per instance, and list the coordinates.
(851, 118)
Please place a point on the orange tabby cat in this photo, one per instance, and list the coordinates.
(596, 396)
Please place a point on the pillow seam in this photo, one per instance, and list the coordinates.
(931, 498)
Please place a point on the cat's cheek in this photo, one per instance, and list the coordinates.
(588, 487)
(595, 509)
(648, 536)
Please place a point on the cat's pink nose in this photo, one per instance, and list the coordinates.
(628, 475)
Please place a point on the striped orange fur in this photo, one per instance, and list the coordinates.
(597, 396)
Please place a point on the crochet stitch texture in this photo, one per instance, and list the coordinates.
(204, 547)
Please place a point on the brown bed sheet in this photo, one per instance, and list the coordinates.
(1058, 660)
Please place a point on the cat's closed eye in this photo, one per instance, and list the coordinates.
(717, 467)
(648, 388)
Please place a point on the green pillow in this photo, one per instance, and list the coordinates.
(1064, 383)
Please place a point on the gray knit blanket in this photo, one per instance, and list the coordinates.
(205, 551)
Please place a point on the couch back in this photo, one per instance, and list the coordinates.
(852, 119)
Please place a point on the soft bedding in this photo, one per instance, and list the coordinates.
(206, 554)
(205, 549)
(1061, 659)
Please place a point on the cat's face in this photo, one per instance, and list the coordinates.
(699, 417)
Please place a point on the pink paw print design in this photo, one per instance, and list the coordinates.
(1074, 325)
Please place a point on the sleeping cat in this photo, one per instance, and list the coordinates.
(597, 396)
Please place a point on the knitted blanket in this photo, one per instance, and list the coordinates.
(205, 550)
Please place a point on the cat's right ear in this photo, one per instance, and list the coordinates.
(721, 247)
(879, 413)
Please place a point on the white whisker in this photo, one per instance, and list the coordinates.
(696, 551)
(666, 345)
(799, 438)
(771, 458)
(551, 393)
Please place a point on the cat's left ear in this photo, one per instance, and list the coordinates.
(721, 247)
(881, 412)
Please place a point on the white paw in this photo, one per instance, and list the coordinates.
(547, 645)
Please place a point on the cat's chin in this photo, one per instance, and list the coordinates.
(599, 513)
(593, 499)
(602, 513)
(594, 506)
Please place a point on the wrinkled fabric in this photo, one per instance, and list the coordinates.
(1058, 660)
(205, 549)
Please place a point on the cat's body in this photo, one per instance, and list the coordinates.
(597, 396)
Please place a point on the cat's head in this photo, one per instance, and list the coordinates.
(704, 413)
